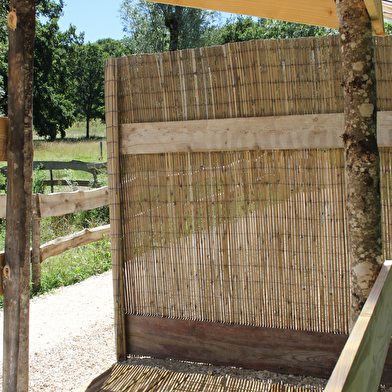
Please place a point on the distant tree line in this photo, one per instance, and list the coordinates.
(69, 73)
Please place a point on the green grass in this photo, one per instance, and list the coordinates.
(75, 265)
(79, 263)
(70, 149)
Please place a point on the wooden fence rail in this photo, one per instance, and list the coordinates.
(92, 168)
(58, 204)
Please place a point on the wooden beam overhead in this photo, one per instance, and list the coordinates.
(316, 12)
(312, 12)
(374, 8)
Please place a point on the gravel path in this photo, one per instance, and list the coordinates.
(71, 335)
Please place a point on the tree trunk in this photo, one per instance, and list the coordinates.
(363, 200)
(173, 21)
(21, 31)
(87, 127)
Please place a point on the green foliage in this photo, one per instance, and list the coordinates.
(38, 180)
(155, 27)
(79, 263)
(244, 28)
(54, 87)
(89, 78)
(75, 265)
(388, 28)
(113, 48)
(49, 10)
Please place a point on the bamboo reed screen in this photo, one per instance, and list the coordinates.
(247, 79)
(248, 237)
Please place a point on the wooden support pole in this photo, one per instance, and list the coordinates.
(21, 32)
(363, 199)
(113, 148)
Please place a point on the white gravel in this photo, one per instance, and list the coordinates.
(71, 335)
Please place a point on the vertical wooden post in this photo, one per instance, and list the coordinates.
(112, 139)
(36, 243)
(51, 181)
(363, 199)
(21, 32)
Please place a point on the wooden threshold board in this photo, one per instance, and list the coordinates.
(274, 349)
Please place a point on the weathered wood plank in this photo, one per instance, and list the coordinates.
(361, 362)
(16, 284)
(62, 244)
(254, 133)
(112, 139)
(278, 350)
(57, 204)
(286, 351)
(89, 167)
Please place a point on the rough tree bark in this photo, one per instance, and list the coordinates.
(363, 201)
(21, 31)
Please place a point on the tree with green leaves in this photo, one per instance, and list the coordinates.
(245, 28)
(113, 48)
(54, 89)
(89, 82)
(54, 57)
(154, 27)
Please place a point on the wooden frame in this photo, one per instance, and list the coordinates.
(114, 204)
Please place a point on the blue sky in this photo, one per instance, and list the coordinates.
(97, 18)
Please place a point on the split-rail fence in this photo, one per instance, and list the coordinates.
(57, 204)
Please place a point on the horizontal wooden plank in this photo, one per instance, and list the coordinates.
(278, 350)
(286, 351)
(251, 133)
(89, 167)
(71, 165)
(57, 204)
(314, 12)
(84, 237)
(67, 183)
(361, 362)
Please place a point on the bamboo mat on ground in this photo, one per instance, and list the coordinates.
(130, 378)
